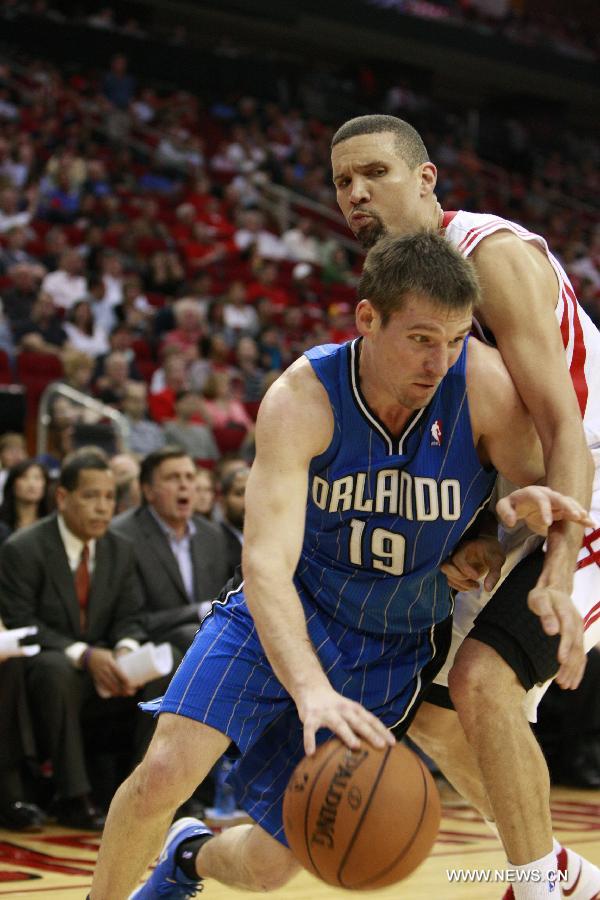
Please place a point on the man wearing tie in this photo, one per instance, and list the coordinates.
(76, 581)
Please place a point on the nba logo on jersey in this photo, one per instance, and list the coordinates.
(436, 433)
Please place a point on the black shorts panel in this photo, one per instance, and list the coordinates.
(443, 638)
(508, 626)
(438, 695)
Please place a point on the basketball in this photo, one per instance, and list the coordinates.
(361, 819)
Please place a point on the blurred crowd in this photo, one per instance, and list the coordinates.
(145, 265)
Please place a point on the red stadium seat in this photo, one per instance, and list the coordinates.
(36, 371)
(6, 375)
(229, 439)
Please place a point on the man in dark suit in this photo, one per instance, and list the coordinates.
(232, 504)
(180, 557)
(77, 583)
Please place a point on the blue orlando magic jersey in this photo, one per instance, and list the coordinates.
(383, 512)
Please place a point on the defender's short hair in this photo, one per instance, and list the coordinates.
(408, 141)
(425, 264)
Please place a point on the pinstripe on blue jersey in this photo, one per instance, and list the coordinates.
(383, 512)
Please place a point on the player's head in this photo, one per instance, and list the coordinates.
(418, 297)
(383, 177)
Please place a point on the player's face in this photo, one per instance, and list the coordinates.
(404, 361)
(376, 190)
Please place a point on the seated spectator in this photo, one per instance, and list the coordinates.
(75, 581)
(252, 233)
(239, 317)
(180, 557)
(174, 378)
(78, 370)
(104, 313)
(120, 340)
(135, 310)
(249, 373)
(189, 322)
(42, 331)
(166, 274)
(232, 503)
(12, 213)
(118, 86)
(112, 386)
(221, 409)
(300, 242)
(18, 300)
(60, 199)
(25, 497)
(13, 450)
(337, 268)
(206, 493)
(66, 285)
(13, 253)
(82, 331)
(197, 440)
(266, 285)
(144, 436)
(111, 271)
(126, 469)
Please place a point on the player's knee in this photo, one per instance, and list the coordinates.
(159, 783)
(480, 678)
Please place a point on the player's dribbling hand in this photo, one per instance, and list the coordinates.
(539, 506)
(481, 557)
(350, 721)
(558, 615)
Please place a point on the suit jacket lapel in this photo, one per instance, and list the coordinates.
(159, 545)
(61, 575)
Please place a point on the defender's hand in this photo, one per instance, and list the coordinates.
(325, 708)
(539, 506)
(482, 557)
(559, 615)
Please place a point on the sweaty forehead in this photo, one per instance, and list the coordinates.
(421, 313)
(364, 149)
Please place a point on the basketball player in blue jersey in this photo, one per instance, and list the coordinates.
(385, 184)
(372, 459)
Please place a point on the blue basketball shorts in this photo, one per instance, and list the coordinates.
(226, 681)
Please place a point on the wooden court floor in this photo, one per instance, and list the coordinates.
(57, 863)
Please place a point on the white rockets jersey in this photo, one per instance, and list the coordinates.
(581, 338)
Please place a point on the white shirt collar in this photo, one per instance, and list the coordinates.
(74, 545)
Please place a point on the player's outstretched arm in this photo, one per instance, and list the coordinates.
(506, 438)
(520, 289)
(295, 423)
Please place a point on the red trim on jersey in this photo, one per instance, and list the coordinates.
(589, 538)
(577, 368)
(589, 619)
(447, 218)
(592, 558)
(472, 235)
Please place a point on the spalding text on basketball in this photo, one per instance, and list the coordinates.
(325, 825)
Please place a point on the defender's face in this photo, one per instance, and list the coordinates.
(405, 360)
(376, 191)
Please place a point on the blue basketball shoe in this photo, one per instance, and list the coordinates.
(168, 880)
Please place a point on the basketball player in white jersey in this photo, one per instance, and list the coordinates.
(385, 183)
